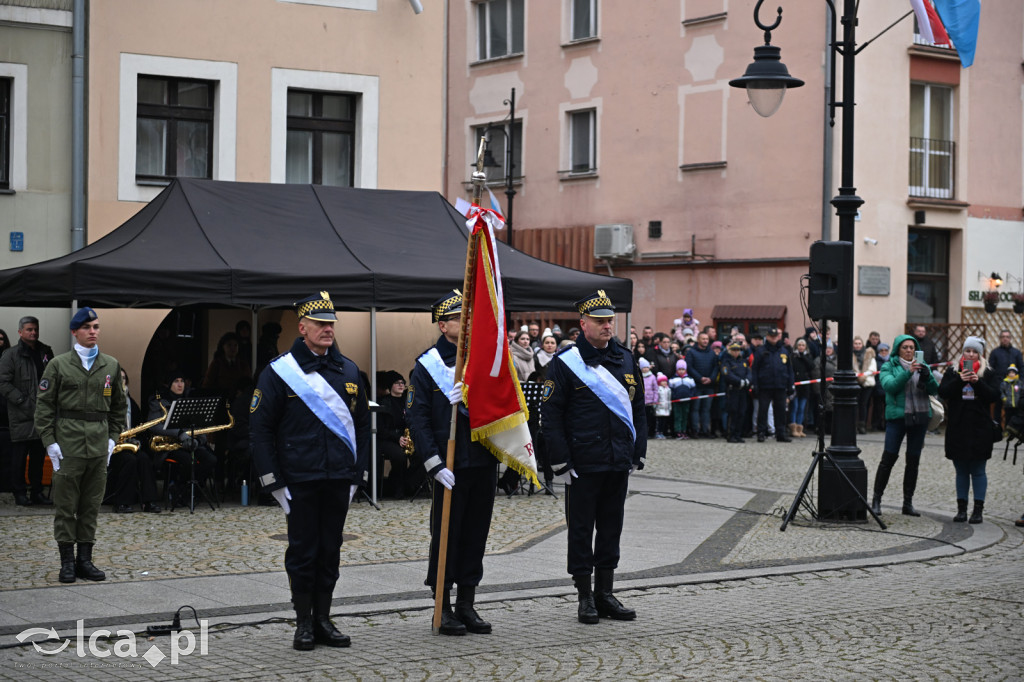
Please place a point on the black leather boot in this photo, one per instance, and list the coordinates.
(324, 631)
(304, 639)
(876, 504)
(882, 479)
(908, 507)
(465, 597)
(67, 562)
(83, 564)
(587, 611)
(606, 603)
(961, 511)
(979, 505)
(450, 625)
(909, 486)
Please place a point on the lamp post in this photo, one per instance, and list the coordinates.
(766, 81)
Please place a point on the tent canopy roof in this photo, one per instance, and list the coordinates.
(260, 245)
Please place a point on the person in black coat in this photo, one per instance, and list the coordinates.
(131, 476)
(595, 429)
(393, 440)
(970, 389)
(473, 481)
(773, 381)
(309, 429)
(736, 375)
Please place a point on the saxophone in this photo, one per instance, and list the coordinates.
(170, 443)
(122, 440)
(411, 447)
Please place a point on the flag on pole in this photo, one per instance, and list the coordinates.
(928, 23)
(497, 408)
(495, 206)
(961, 19)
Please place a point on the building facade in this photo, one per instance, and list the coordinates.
(624, 117)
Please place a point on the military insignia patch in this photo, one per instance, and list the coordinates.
(254, 404)
(549, 386)
(106, 387)
(784, 358)
(44, 384)
(351, 389)
(408, 400)
(629, 379)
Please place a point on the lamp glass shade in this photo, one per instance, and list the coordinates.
(766, 97)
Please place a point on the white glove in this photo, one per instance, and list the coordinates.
(110, 450)
(445, 477)
(352, 492)
(53, 450)
(282, 496)
(567, 477)
(455, 395)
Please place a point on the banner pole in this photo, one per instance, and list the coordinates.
(460, 358)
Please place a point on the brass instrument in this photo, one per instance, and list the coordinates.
(170, 443)
(122, 440)
(411, 447)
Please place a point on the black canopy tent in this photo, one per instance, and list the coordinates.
(260, 245)
(257, 245)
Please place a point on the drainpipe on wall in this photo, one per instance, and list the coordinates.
(78, 126)
(826, 160)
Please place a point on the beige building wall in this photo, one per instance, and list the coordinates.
(255, 49)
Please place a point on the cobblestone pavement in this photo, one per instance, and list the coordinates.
(951, 618)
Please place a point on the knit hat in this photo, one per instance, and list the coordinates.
(1011, 368)
(644, 364)
(662, 377)
(716, 344)
(680, 364)
(688, 311)
(975, 342)
(883, 347)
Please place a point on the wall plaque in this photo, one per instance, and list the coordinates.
(872, 280)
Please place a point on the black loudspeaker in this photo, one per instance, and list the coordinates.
(829, 295)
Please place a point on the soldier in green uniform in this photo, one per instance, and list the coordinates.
(80, 412)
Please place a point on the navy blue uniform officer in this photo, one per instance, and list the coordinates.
(309, 427)
(594, 422)
(773, 381)
(432, 392)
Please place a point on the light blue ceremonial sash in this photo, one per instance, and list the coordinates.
(442, 374)
(604, 385)
(320, 397)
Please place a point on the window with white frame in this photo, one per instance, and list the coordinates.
(932, 150)
(583, 141)
(174, 129)
(321, 138)
(498, 135)
(499, 28)
(5, 133)
(583, 19)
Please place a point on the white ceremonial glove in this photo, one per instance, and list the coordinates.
(110, 450)
(53, 450)
(445, 477)
(455, 395)
(282, 496)
(567, 477)
(352, 492)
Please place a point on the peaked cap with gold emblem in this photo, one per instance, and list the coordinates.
(317, 308)
(449, 304)
(596, 305)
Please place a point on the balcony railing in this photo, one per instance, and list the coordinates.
(932, 168)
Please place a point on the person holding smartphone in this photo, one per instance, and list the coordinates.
(970, 389)
(907, 383)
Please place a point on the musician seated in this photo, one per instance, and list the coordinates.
(172, 445)
(131, 478)
(394, 444)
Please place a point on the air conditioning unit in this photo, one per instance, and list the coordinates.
(613, 241)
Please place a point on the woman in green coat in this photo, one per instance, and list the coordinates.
(907, 384)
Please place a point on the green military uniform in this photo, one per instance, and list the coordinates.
(80, 410)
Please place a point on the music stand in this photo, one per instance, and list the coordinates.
(188, 414)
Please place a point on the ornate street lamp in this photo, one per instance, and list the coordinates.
(510, 140)
(766, 81)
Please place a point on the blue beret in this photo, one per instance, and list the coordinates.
(83, 315)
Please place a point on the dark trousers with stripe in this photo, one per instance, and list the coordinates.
(468, 526)
(315, 527)
(595, 501)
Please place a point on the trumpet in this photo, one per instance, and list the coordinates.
(122, 440)
(170, 443)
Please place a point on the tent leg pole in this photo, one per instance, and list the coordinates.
(373, 397)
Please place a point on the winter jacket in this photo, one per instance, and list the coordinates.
(700, 364)
(664, 407)
(19, 381)
(1011, 391)
(1000, 359)
(650, 388)
(894, 378)
(968, 424)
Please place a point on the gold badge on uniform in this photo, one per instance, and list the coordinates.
(106, 387)
(629, 379)
(549, 386)
(351, 389)
(784, 358)
(255, 402)
(408, 400)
